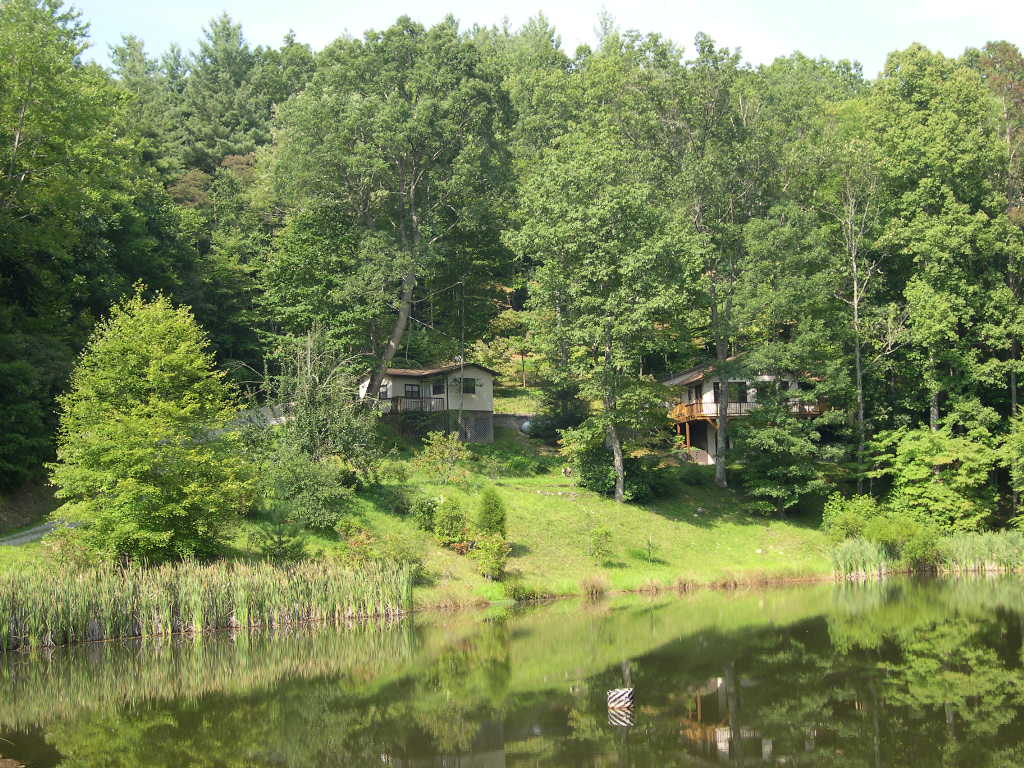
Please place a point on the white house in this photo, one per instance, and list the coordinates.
(695, 411)
(464, 392)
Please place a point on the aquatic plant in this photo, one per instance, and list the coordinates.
(49, 608)
(860, 558)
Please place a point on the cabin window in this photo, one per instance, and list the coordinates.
(438, 387)
(468, 386)
(383, 393)
(412, 391)
(737, 391)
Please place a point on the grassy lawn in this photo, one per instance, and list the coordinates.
(698, 534)
(516, 400)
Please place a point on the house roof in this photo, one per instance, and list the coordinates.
(692, 374)
(421, 372)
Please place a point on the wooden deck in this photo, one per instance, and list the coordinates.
(415, 405)
(701, 411)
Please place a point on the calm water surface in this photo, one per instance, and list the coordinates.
(896, 674)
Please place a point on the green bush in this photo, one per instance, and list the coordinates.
(393, 471)
(845, 518)
(490, 515)
(591, 464)
(599, 544)
(441, 454)
(491, 555)
(892, 533)
(449, 523)
(351, 526)
(313, 492)
(365, 548)
(921, 550)
(422, 510)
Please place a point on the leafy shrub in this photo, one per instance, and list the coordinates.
(393, 471)
(845, 518)
(490, 516)
(351, 526)
(365, 548)
(442, 451)
(892, 533)
(520, 592)
(70, 548)
(449, 523)
(491, 555)
(591, 464)
(422, 511)
(938, 476)
(314, 492)
(599, 544)
(921, 550)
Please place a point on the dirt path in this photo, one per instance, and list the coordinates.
(32, 534)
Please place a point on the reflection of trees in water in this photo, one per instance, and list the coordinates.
(891, 676)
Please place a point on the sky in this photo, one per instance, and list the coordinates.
(864, 31)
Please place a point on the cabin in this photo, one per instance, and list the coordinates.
(461, 395)
(695, 410)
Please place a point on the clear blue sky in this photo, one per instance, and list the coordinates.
(763, 29)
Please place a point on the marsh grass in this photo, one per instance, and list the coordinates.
(43, 608)
(860, 558)
(961, 553)
(979, 552)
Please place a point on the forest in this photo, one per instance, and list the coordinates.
(586, 223)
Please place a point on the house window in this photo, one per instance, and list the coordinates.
(438, 387)
(412, 391)
(737, 391)
(468, 386)
(383, 393)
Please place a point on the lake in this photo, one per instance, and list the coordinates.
(900, 673)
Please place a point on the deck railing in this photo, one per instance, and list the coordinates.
(700, 410)
(414, 404)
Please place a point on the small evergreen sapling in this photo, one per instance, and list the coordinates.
(490, 516)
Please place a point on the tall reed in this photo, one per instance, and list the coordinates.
(985, 551)
(50, 608)
(860, 558)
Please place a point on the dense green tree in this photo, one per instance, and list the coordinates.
(608, 254)
(223, 114)
(400, 132)
(143, 460)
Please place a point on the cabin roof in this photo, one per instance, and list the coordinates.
(691, 375)
(421, 372)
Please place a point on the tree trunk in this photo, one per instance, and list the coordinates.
(721, 357)
(933, 412)
(620, 467)
(397, 331)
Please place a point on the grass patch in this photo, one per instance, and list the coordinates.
(516, 400)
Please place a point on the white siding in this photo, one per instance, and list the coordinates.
(481, 400)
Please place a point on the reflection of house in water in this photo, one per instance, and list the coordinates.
(713, 728)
